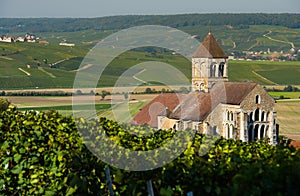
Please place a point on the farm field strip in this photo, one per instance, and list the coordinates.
(288, 111)
(288, 95)
(288, 118)
(38, 57)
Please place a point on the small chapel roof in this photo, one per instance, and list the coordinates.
(157, 107)
(209, 48)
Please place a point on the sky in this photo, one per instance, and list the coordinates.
(99, 8)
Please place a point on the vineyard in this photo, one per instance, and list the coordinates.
(42, 153)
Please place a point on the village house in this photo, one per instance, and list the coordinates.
(67, 44)
(238, 110)
(30, 38)
(5, 38)
(19, 39)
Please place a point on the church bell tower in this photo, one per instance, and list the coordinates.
(209, 65)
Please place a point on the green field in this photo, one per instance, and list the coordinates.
(286, 95)
(98, 107)
(67, 110)
(249, 38)
(26, 65)
(288, 118)
(265, 72)
(35, 59)
(125, 111)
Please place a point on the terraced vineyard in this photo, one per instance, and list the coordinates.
(265, 72)
(27, 66)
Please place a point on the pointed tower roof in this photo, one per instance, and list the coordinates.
(209, 48)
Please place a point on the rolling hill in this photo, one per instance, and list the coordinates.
(26, 66)
(33, 65)
(236, 32)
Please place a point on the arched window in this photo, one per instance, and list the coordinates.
(231, 116)
(263, 116)
(231, 131)
(214, 130)
(266, 131)
(251, 117)
(257, 99)
(256, 132)
(213, 70)
(227, 115)
(221, 69)
(256, 115)
(227, 134)
(262, 132)
(250, 136)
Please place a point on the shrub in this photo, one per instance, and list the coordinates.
(4, 103)
(43, 154)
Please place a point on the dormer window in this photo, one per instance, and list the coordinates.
(257, 99)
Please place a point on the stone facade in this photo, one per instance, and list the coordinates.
(207, 71)
(253, 119)
(238, 110)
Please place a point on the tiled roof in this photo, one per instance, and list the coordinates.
(209, 48)
(195, 106)
(158, 106)
(295, 144)
(198, 105)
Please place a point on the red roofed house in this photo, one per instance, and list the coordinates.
(239, 110)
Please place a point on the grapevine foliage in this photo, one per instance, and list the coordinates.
(44, 154)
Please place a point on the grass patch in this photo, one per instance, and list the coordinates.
(31, 56)
(290, 95)
(281, 73)
(288, 117)
(122, 111)
(98, 107)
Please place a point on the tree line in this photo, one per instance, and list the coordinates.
(39, 25)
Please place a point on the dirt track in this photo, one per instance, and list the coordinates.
(98, 90)
(23, 102)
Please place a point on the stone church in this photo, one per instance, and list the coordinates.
(238, 110)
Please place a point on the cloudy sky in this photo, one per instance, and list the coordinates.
(98, 8)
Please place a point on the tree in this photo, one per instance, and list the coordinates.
(78, 92)
(104, 94)
(4, 103)
(126, 95)
(290, 88)
(92, 92)
(148, 90)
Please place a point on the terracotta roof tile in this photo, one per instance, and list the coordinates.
(195, 106)
(232, 92)
(209, 48)
(198, 105)
(158, 106)
(295, 144)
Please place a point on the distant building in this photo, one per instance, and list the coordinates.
(66, 44)
(42, 41)
(238, 110)
(5, 38)
(19, 39)
(30, 38)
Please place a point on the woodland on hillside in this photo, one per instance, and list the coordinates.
(38, 25)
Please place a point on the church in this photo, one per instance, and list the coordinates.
(238, 110)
